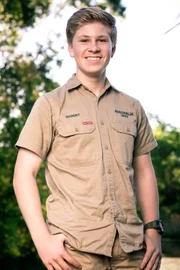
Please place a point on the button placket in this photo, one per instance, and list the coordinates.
(107, 159)
(110, 181)
(112, 194)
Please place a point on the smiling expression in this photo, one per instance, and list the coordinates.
(92, 49)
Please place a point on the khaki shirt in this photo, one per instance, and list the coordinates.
(89, 143)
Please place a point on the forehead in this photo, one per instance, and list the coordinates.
(93, 29)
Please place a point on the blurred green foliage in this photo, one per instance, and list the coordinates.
(23, 78)
(23, 12)
(116, 6)
(166, 160)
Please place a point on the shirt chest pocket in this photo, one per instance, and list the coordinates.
(75, 144)
(78, 128)
(123, 138)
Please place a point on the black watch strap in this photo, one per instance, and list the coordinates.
(155, 224)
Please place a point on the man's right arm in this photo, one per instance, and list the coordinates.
(50, 247)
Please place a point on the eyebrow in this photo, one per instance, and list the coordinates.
(87, 36)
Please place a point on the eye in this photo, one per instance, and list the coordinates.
(102, 40)
(83, 40)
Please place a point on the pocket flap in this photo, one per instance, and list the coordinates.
(70, 129)
(127, 128)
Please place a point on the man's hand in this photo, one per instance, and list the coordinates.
(53, 254)
(152, 257)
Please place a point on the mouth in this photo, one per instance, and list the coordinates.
(93, 58)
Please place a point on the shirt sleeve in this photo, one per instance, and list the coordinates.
(145, 141)
(36, 134)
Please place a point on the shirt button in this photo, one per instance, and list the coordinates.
(106, 147)
(128, 129)
(102, 123)
(112, 197)
(76, 129)
(109, 171)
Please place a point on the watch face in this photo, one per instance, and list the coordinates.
(161, 228)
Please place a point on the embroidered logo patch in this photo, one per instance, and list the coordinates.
(73, 115)
(87, 123)
(124, 114)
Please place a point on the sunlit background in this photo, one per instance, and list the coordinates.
(147, 60)
(145, 66)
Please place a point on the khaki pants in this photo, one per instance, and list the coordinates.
(119, 259)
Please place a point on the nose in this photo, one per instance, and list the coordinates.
(94, 47)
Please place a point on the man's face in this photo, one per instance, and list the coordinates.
(92, 49)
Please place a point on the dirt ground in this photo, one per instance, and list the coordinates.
(170, 263)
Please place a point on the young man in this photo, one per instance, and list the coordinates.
(96, 142)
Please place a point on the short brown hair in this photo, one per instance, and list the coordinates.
(88, 15)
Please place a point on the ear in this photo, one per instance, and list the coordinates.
(70, 49)
(113, 50)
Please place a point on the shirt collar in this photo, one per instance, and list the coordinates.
(74, 83)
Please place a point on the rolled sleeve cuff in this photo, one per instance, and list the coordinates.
(146, 149)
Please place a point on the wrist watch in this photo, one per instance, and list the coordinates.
(155, 224)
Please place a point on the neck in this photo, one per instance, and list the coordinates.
(94, 84)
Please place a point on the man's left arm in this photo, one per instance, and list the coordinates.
(148, 199)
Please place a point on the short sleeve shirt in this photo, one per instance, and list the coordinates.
(89, 144)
